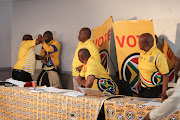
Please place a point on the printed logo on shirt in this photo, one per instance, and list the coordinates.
(106, 84)
(104, 58)
(129, 70)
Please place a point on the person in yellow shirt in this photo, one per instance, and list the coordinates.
(96, 76)
(84, 42)
(153, 69)
(25, 66)
(49, 75)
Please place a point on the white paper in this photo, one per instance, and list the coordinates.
(16, 82)
(152, 103)
(91, 92)
(74, 94)
(56, 90)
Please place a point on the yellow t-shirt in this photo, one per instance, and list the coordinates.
(152, 65)
(102, 79)
(24, 50)
(93, 51)
(52, 48)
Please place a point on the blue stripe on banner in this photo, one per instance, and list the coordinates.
(55, 48)
(42, 48)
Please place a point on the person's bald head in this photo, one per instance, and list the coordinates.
(84, 34)
(27, 37)
(84, 55)
(177, 61)
(146, 41)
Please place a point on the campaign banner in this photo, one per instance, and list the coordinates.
(101, 37)
(126, 35)
(167, 51)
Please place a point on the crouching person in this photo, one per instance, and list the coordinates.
(96, 76)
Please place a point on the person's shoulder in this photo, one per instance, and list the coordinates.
(55, 42)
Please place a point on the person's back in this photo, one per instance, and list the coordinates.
(25, 66)
(99, 76)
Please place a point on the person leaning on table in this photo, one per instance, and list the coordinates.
(96, 76)
(25, 66)
(172, 103)
(153, 69)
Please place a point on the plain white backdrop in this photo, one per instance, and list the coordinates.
(66, 17)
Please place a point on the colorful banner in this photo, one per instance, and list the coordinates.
(101, 37)
(170, 60)
(126, 35)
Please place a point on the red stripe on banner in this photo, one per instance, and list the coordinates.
(134, 60)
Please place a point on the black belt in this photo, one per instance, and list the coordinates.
(17, 70)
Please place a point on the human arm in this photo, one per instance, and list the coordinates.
(43, 59)
(168, 107)
(164, 87)
(52, 48)
(162, 66)
(138, 86)
(80, 80)
(89, 81)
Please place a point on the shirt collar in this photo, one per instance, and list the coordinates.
(87, 41)
(51, 41)
(150, 51)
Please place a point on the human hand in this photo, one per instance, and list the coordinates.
(138, 87)
(79, 68)
(163, 96)
(80, 81)
(40, 38)
(147, 117)
(47, 55)
(44, 60)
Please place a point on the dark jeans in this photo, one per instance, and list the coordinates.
(21, 75)
(151, 92)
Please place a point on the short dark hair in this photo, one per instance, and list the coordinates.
(27, 37)
(87, 31)
(49, 34)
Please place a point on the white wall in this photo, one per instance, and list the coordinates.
(67, 17)
(5, 33)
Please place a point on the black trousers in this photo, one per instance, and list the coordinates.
(151, 92)
(21, 75)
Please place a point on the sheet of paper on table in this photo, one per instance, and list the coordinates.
(91, 92)
(49, 89)
(152, 103)
(57, 90)
(16, 82)
(74, 94)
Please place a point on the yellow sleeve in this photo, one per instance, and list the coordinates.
(162, 64)
(95, 54)
(28, 44)
(91, 71)
(52, 48)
